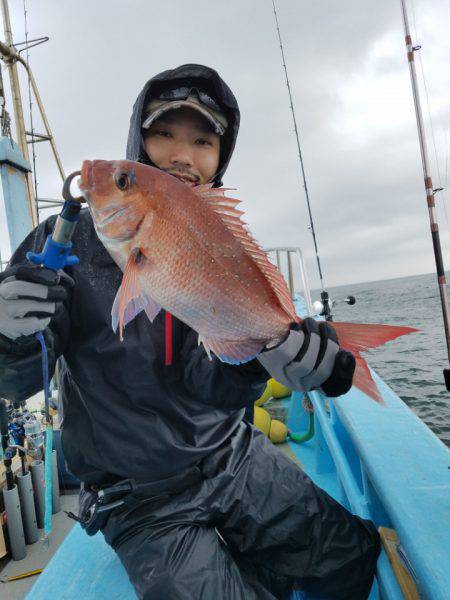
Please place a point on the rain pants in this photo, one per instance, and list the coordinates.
(154, 407)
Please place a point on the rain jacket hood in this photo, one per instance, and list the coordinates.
(204, 78)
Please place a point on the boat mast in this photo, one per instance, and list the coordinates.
(18, 112)
(410, 49)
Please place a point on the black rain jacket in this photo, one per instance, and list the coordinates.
(127, 414)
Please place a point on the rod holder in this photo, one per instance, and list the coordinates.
(447, 378)
(14, 523)
(30, 529)
(37, 475)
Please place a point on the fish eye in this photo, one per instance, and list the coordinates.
(122, 181)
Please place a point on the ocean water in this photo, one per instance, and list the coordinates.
(413, 364)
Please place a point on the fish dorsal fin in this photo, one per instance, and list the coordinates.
(231, 217)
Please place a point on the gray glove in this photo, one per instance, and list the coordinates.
(310, 358)
(29, 296)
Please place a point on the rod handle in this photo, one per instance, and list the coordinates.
(447, 378)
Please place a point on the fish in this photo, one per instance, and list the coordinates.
(187, 250)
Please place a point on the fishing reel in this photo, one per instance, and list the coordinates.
(323, 307)
(24, 425)
(16, 422)
(34, 436)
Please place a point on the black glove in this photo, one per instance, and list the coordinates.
(30, 296)
(310, 358)
(340, 380)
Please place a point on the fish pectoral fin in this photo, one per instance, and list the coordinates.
(201, 340)
(233, 352)
(130, 300)
(133, 308)
(151, 308)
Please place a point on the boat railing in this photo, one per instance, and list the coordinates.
(285, 255)
(335, 451)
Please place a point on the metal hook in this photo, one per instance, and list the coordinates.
(66, 194)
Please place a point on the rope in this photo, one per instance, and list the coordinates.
(48, 441)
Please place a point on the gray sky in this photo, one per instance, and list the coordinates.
(352, 96)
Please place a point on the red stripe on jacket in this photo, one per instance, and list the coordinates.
(169, 340)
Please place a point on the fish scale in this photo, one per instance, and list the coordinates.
(182, 289)
(183, 301)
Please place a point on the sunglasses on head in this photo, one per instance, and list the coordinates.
(182, 93)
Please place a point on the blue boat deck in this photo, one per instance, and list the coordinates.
(84, 567)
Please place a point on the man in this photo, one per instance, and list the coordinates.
(205, 506)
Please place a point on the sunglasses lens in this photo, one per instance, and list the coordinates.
(208, 101)
(176, 94)
(183, 92)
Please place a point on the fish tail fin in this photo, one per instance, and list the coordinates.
(359, 337)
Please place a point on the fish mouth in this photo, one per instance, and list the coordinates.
(95, 177)
(190, 180)
(85, 180)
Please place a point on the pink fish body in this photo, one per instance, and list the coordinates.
(188, 251)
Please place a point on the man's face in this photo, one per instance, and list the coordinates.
(183, 143)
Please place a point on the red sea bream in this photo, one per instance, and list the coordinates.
(187, 250)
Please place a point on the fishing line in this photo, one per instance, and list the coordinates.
(446, 160)
(48, 441)
(429, 190)
(298, 147)
(444, 191)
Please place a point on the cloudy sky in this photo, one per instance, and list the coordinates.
(352, 96)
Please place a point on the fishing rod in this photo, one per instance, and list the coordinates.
(429, 190)
(324, 295)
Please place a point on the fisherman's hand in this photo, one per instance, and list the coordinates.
(310, 358)
(30, 296)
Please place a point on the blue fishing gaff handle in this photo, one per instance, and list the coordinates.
(56, 252)
(48, 440)
(54, 255)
